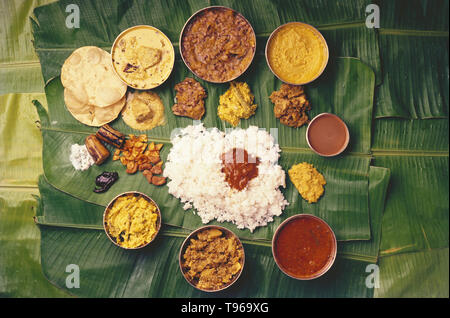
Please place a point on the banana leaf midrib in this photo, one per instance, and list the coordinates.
(416, 153)
(289, 149)
(167, 141)
(406, 32)
(39, 220)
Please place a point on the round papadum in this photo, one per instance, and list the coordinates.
(89, 114)
(104, 115)
(88, 73)
(143, 111)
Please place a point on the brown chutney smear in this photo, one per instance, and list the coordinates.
(239, 168)
(304, 246)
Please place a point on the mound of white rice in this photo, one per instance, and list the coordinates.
(194, 169)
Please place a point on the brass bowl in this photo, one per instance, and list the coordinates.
(327, 266)
(143, 26)
(192, 18)
(325, 63)
(186, 243)
(136, 193)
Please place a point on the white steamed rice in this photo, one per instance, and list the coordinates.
(194, 169)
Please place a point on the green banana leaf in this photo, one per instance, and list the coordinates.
(20, 269)
(67, 211)
(342, 23)
(412, 275)
(414, 14)
(416, 215)
(415, 84)
(415, 151)
(393, 135)
(20, 71)
(71, 237)
(19, 165)
(348, 198)
(414, 58)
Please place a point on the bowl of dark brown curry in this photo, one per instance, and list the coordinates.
(217, 44)
(304, 247)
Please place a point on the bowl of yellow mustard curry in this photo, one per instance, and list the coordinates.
(296, 53)
(211, 258)
(132, 220)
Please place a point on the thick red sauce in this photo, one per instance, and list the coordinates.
(239, 167)
(304, 246)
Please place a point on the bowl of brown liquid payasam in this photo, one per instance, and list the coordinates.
(327, 135)
(304, 247)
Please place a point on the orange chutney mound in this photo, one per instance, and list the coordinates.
(297, 53)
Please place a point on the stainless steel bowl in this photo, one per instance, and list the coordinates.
(191, 19)
(324, 269)
(142, 26)
(110, 204)
(322, 39)
(185, 244)
(347, 135)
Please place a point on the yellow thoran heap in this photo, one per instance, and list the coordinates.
(236, 103)
(308, 181)
(131, 221)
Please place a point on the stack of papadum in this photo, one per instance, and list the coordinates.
(93, 93)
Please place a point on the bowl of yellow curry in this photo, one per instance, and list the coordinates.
(296, 53)
(211, 258)
(132, 220)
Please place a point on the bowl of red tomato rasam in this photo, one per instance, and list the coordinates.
(304, 247)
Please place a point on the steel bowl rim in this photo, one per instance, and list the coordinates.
(323, 270)
(347, 135)
(158, 221)
(187, 23)
(184, 246)
(136, 27)
(321, 37)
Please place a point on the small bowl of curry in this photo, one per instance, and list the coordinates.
(217, 44)
(132, 220)
(304, 247)
(142, 57)
(296, 53)
(327, 135)
(211, 258)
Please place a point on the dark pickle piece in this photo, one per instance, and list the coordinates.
(104, 181)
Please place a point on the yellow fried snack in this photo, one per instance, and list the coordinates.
(236, 103)
(308, 181)
(132, 221)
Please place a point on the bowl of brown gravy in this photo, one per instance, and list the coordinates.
(327, 135)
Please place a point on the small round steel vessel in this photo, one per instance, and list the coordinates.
(136, 193)
(143, 26)
(192, 19)
(185, 244)
(321, 38)
(330, 261)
